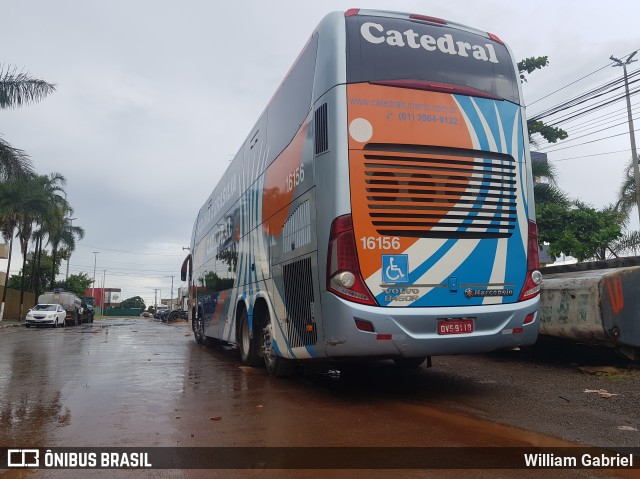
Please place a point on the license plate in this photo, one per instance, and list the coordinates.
(455, 326)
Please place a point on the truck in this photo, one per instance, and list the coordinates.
(90, 302)
(73, 305)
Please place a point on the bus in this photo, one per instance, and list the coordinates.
(380, 208)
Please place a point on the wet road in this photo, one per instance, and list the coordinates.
(137, 382)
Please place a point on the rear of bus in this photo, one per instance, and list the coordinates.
(439, 254)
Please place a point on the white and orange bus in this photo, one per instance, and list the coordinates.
(381, 206)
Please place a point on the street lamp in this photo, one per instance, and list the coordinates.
(93, 285)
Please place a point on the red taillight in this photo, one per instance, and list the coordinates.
(425, 18)
(533, 280)
(495, 38)
(363, 325)
(351, 12)
(529, 318)
(439, 87)
(343, 271)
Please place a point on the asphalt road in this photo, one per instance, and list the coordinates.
(141, 383)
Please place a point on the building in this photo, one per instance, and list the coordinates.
(105, 297)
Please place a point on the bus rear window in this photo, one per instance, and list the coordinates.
(382, 49)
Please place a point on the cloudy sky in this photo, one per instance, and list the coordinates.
(154, 97)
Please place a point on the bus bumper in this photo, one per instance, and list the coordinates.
(412, 332)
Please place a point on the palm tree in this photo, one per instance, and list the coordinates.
(36, 206)
(11, 194)
(546, 188)
(20, 203)
(627, 192)
(18, 89)
(13, 162)
(62, 234)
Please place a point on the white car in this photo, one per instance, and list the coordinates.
(46, 315)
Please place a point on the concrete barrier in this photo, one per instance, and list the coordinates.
(600, 306)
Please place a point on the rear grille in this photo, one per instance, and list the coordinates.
(298, 294)
(440, 192)
(321, 129)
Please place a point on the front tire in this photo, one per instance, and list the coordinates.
(248, 344)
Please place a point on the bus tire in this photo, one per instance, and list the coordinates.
(248, 345)
(276, 365)
(409, 363)
(198, 330)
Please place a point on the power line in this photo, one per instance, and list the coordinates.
(587, 142)
(576, 81)
(591, 108)
(583, 136)
(579, 99)
(568, 85)
(86, 245)
(587, 156)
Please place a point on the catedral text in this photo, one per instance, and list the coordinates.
(375, 33)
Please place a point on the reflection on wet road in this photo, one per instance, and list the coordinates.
(137, 382)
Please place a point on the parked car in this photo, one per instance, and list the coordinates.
(160, 310)
(46, 315)
(146, 314)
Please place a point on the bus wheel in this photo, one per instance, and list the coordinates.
(276, 365)
(409, 363)
(248, 345)
(198, 331)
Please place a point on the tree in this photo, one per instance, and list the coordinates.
(45, 265)
(62, 233)
(13, 162)
(21, 202)
(546, 189)
(550, 133)
(18, 89)
(76, 283)
(11, 196)
(627, 192)
(135, 302)
(579, 230)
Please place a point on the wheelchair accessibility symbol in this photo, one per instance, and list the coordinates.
(395, 268)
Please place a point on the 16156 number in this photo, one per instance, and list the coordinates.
(294, 178)
(380, 242)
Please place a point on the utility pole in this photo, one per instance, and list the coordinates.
(93, 285)
(171, 300)
(634, 156)
(104, 278)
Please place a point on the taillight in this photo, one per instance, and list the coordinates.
(439, 87)
(426, 18)
(534, 277)
(495, 38)
(343, 272)
(351, 12)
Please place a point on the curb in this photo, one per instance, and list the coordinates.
(10, 324)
